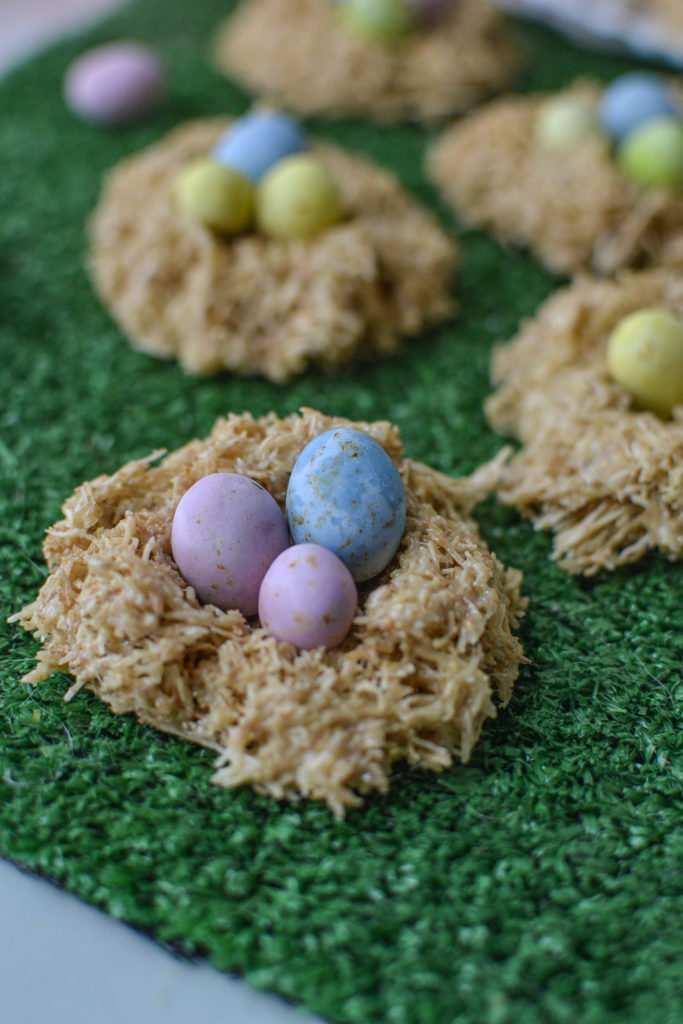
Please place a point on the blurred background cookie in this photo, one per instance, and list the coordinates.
(593, 388)
(385, 60)
(574, 175)
(207, 254)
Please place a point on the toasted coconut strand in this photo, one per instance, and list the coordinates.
(606, 479)
(414, 679)
(254, 305)
(296, 53)
(575, 210)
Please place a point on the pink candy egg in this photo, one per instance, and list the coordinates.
(308, 597)
(226, 531)
(115, 83)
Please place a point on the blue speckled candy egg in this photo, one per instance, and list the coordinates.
(346, 494)
(307, 597)
(226, 531)
(631, 100)
(257, 141)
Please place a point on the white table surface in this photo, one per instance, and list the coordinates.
(62, 961)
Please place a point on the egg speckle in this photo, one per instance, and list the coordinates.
(226, 531)
(308, 598)
(346, 494)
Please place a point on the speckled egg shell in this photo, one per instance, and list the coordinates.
(227, 529)
(346, 494)
(308, 597)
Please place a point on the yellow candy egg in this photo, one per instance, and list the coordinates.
(379, 21)
(297, 199)
(562, 122)
(645, 358)
(214, 195)
(652, 154)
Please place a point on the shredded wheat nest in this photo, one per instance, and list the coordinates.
(255, 305)
(414, 679)
(606, 479)
(294, 52)
(573, 210)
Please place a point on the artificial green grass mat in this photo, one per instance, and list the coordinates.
(539, 883)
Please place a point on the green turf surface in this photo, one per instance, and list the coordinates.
(539, 883)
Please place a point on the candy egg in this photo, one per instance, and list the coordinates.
(308, 597)
(346, 494)
(381, 21)
(652, 155)
(631, 100)
(226, 531)
(562, 123)
(115, 83)
(257, 141)
(645, 358)
(297, 199)
(216, 196)
(431, 12)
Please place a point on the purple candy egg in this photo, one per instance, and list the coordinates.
(431, 12)
(115, 83)
(227, 529)
(308, 597)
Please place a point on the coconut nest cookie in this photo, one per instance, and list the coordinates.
(669, 12)
(296, 53)
(429, 650)
(251, 304)
(605, 478)
(574, 208)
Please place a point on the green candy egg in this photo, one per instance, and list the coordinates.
(563, 122)
(652, 154)
(645, 358)
(214, 195)
(297, 199)
(380, 21)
